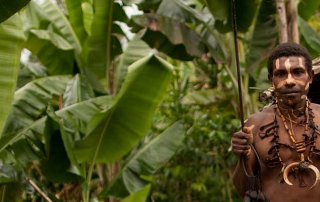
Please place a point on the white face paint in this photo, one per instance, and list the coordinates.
(290, 79)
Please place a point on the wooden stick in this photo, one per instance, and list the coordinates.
(39, 190)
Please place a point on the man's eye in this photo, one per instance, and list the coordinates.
(280, 74)
(298, 72)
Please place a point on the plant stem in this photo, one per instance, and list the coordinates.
(38, 190)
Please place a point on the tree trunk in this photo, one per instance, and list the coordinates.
(292, 19)
(282, 21)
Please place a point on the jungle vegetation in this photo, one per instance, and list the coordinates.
(133, 100)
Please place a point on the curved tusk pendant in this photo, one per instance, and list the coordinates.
(298, 164)
(316, 172)
(287, 170)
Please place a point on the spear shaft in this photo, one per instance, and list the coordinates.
(237, 61)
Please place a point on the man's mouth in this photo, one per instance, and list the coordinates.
(290, 92)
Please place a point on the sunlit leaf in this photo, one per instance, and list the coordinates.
(135, 50)
(11, 42)
(97, 49)
(57, 17)
(139, 196)
(75, 14)
(112, 133)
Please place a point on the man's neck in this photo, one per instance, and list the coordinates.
(293, 111)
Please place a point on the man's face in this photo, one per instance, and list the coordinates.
(290, 79)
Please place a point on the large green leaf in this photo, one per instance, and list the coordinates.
(170, 36)
(47, 46)
(219, 9)
(307, 8)
(34, 18)
(11, 41)
(60, 21)
(78, 90)
(83, 111)
(30, 102)
(311, 37)
(60, 164)
(75, 14)
(178, 10)
(264, 36)
(245, 10)
(139, 196)
(112, 133)
(146, 5)
(97, 49)
(145, 163)
(135, 50)
(10, 7)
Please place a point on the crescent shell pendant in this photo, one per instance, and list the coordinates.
(297, 164)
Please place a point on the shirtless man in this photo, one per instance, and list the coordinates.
(283, 134)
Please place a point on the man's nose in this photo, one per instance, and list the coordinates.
(290, 82)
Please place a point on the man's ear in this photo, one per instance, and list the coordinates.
(270, 78)
(311, 76)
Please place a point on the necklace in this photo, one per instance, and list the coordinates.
(299, 145)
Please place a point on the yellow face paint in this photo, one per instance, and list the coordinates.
(300, 62)
(277, 63)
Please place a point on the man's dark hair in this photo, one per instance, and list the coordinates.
(286, 50)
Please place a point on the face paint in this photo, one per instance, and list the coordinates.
(307, 86)
(300, 62)
(277, 63)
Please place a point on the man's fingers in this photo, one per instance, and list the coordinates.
(248, 129)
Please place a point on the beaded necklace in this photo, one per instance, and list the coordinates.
(300, 146)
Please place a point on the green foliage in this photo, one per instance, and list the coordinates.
(10, 30)
(103, 130)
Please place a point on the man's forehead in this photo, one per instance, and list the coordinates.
(297, 61)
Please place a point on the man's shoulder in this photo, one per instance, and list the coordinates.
(262, 116)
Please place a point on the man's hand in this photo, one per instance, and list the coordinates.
(240, 141)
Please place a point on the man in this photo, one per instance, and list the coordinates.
(284, 135)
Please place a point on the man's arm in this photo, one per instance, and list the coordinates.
(247, 158)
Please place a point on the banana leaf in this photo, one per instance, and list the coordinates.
(59, 165)
(146, 162)
(170, 36)
(76, 19)
(146, 5)
(34, 18)
(10, 7)
(135, 50)
(245, 10)
(78, 90)
(47, 46)
(96, 53)
(30, 102)
(113, 132)
(307, 8)
(264, 36)
(139, 196)
(11, 42)
(311, 37)
(82, 111)
(60, 21)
